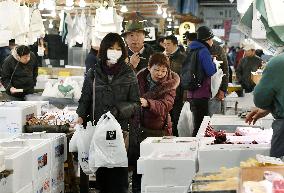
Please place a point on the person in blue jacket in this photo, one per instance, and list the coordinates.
(199, 98)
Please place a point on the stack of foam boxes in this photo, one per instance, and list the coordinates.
(213, 156)
(58, 155)
(37, 162)
(167, 164)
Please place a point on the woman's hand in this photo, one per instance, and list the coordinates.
(144, 102)
(79, 121)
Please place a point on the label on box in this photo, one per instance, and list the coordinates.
(42, 161)
(59, 150)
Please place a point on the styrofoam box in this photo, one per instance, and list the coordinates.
(58, 189)
(18, 159)
(40, 155)
(212, 157)
(42, 185)
(2, 165)
(57, 175)
(166, 189)
(13, 117)
(4, 136)
(160, 144)
(58, 144)
(41, 106)
(229, 123)
(169, 169)
(26, 189)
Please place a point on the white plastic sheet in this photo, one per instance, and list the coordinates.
(107, 145)
(185, 122)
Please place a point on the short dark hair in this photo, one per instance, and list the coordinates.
(172, 38)
(160, 60)
(23, 50)
(108, 41)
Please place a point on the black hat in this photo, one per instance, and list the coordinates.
(204, 33)
(190, 36)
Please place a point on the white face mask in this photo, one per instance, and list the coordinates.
(113, 55)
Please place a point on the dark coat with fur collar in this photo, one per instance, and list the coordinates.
(160, 99)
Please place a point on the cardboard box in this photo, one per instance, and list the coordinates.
(212, 157)
(19, 160)
(57, 175)
(13, 116)
(256, 174)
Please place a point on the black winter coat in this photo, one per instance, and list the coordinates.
(147, 52)
(120, 95)
(18, 75)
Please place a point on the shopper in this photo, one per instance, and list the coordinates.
(176, 60)
(138, 51)
(250, 63)
(157, 85)
(216, 103)
(91, 59)
(199, 98)
(269, 98)
(240, 53)
(116, 90)
(190, 37)
(19, 73)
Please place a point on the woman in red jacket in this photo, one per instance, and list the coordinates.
(157, 85)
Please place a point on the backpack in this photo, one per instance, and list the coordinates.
(192, 74)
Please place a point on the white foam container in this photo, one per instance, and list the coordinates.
(57, 175)
(166, 189)
(42, 185)
(13, 116)
(27, 189)
(212, 157)
(18, 159)
(58, 144)
(159, 144)
(58, 189)
(41, 106)
(41, 162)
(2, 164)
(167, 169)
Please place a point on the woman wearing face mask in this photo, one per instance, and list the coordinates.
(157, 85)
(116, 90)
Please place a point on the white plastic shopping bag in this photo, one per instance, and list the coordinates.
(216, 79)
(185, 122)
(80, 142)
(73, 141)
(108, 144)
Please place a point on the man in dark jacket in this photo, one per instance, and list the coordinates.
(138, 51)
(199, 98)
(215, 104)
(19, 73)
(176, 60)
(250, 63)
(91, 59)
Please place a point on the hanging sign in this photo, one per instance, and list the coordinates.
(152, 34)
